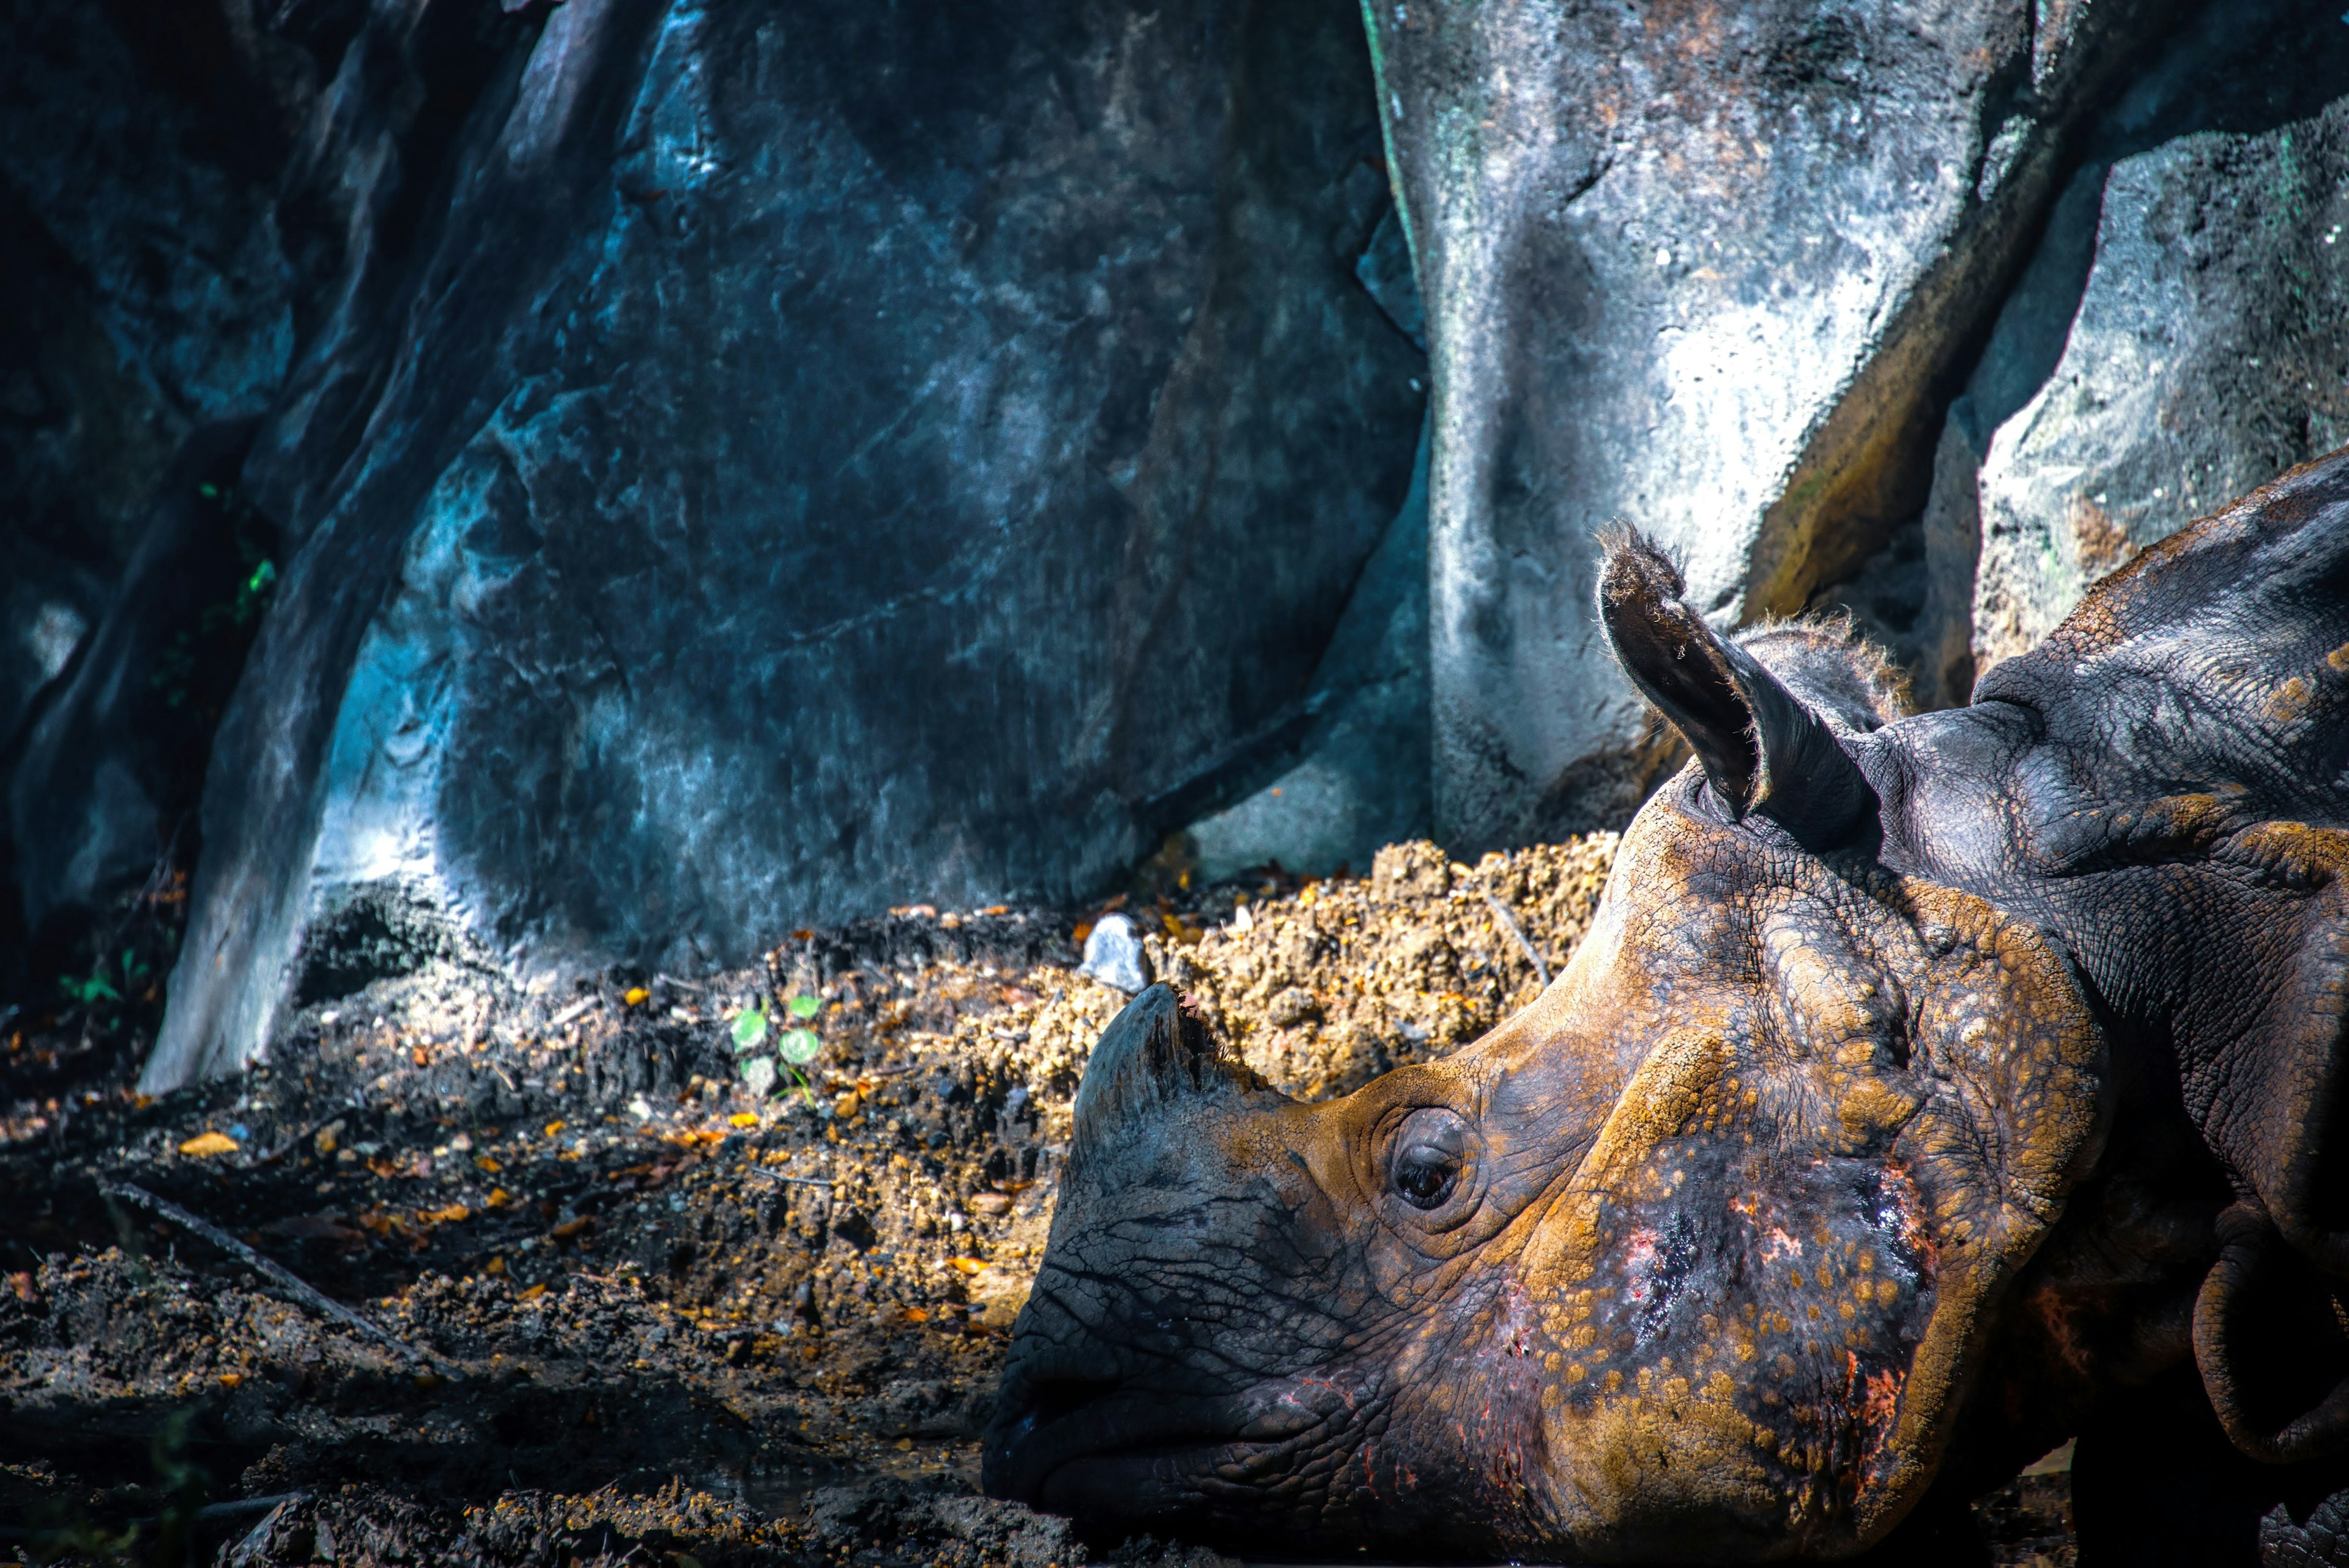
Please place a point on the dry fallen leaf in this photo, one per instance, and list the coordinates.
(635, 995)
(204, 1146)
(230, 1379)
(743, 1118)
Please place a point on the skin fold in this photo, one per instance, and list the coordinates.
(1927, 1089)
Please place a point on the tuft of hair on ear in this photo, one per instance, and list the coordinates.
(1678, 661)
(1631, 562)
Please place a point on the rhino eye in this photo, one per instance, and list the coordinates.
(1429, 1151)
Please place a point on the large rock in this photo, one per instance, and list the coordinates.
(104, 776)
(2247, 67)
(1706, 270)
(1363, 780)
(755, 464)
(149, 320)
(2208, 350)
(139, 251)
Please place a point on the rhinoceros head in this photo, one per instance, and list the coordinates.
(1693, 1257)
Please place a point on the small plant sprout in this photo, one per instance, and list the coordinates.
(797, 1046)
(97, 987)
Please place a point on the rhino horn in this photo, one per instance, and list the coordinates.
(1155, 1054)
(1764, 750)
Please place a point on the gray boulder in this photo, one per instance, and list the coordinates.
(815, 457)
(150, 321)
(1707, 270)
(2207, 357)
(2245, 68)
(1361, 782)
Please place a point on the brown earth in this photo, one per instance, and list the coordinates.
(633, 1312)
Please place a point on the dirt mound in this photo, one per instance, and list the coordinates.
(1326, 988)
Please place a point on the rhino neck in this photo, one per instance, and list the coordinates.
(2107, 1301)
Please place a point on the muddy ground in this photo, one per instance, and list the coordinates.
(614, 1304)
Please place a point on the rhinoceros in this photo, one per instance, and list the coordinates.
(1929, 1089)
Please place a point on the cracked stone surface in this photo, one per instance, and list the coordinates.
(1699, 269)
(816, 460)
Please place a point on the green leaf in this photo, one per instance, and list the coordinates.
(804, 1006)
(750, 1029)
(93, 989)
(799, 1046)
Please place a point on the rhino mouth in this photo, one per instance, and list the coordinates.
(1048, 1448)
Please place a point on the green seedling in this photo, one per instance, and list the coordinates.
(795, 1047)
(97, 987)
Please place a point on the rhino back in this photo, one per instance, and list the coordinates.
(2215, 666)
(2163, 786)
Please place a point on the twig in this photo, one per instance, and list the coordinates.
(209, 1513)
(572, 1011)
(291, 1144)
(1509, 924)
(795, 1180)
(277, 1274)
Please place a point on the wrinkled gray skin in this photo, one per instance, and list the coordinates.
(1927, 1091)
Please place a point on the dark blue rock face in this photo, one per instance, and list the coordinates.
(148, 322)
(756, 464)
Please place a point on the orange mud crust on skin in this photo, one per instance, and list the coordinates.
(1926, 1089)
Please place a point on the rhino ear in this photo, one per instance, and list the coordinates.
(1764, 750)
